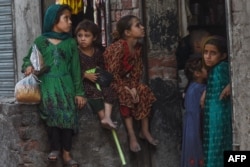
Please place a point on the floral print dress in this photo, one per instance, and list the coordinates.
(127, 70)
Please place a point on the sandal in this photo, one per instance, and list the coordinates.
(71, 163)
(53, 156)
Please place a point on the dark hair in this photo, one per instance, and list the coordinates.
(218, 41)
(88, 25)
(123, 24)
(60, 11)
(198, 35)
(194, 64)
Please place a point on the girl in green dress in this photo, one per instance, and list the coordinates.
(217, 112)
(61, 88)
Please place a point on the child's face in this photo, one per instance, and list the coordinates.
(85, 39)
(136, 30)
(64, 24)
(201, 75)
(212, 56)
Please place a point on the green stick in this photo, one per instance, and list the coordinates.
(118, 147)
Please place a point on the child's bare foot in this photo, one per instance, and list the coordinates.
(108, 123)
(147, 136)
(133, 144)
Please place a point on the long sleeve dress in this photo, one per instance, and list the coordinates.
(192, 155)
(127, 70)
(217, 117)
(60, 84)
(90, 62)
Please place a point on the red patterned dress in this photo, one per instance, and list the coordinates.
(127, 70)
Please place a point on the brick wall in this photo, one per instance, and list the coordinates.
(121, 8)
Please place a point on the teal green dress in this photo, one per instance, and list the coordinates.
(60, 84)
(217, 117)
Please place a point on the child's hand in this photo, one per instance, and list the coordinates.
(91, 76)
(225, 92)
(202, 100)
(133, 92)
(29, 70)
(80, 101)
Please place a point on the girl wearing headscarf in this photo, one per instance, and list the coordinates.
(61, 87)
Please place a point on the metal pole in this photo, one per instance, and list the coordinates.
(108, 21)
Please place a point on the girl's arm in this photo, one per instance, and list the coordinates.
(136, 73)
(75, 70)
(112, 60)
(225, 79)
(225, 92)
(202, 100)
(27, 67)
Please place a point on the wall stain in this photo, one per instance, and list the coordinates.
(163, 29)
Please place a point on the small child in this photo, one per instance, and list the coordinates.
(196, 38)
(217, 111)
(191, 144)
(91, 57)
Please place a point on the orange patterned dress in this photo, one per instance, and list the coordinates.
(127, 70)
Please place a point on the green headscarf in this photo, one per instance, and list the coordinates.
(49, 21)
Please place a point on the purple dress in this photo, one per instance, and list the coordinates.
(192, 155)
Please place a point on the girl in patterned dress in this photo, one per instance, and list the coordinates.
(123, 59)
(61, 86)
(101, 99)
(217, 111)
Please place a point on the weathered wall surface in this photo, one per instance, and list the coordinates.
(24, 140)
(28, 26)
(162, 33)
(240, 41)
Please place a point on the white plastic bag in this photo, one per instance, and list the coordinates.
(27, 90)
(36, 60)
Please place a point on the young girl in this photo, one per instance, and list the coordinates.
(123, 59)
(91, 56)
(61, 86)
(217, 113)
(191, 139)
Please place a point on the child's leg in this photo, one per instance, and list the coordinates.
(101, 115)
(145, 132)
(133, 144)
(67, 135)
(54, 135)
(106, 119)
(104, 112)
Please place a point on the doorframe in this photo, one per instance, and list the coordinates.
(228, 13)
